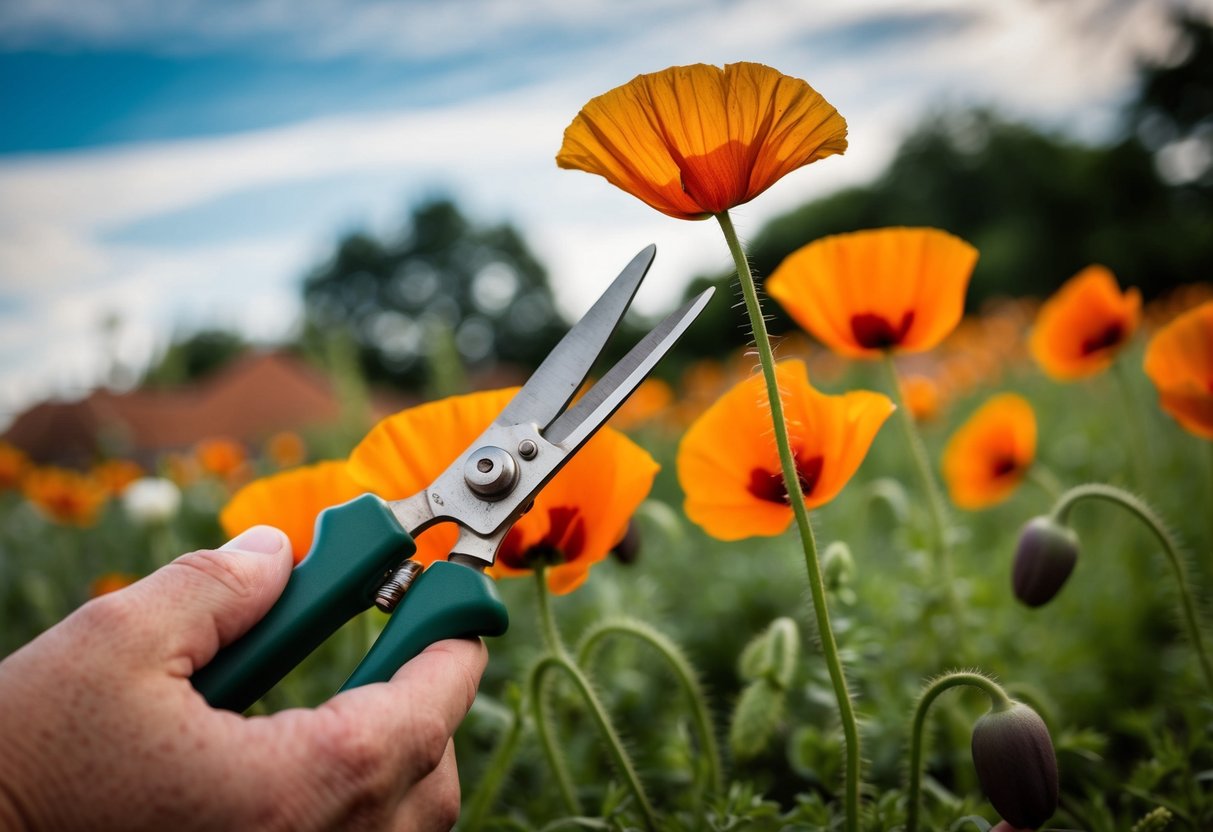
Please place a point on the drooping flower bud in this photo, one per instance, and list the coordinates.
(1044, 558)
(1013, 756)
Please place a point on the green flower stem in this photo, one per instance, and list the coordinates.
(559, 657)
(791, 479)
(683, 671)
(1045, 480)
(1138, 507)
(935, 502)
(1140, 433)
(546, 731)
(489, 784)
(998, 700)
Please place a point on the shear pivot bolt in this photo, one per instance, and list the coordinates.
(491, 472)
(527, 449)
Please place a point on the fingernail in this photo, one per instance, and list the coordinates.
(265, 540)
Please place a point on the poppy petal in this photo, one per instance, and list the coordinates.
(989, 455)
(1083, 326)
(867, 292)
(728, 463)
(290, 501)
(1179, 360)
(697, 140)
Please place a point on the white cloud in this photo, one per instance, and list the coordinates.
(57, 266)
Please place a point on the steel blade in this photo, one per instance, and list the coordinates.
(554, 383)
(580, 422)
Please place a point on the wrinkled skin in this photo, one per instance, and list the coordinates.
(101, 728)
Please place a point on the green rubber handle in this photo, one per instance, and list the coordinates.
(447, 600)
(356, 545)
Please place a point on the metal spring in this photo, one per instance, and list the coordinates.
(389, 594)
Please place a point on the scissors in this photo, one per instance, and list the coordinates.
(362, 549)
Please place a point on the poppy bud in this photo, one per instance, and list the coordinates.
(1013, 756)
(1044, 558)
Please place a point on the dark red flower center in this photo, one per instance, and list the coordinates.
(1003, 466)
(564, 542)
(768, 485)
(874, 332)
(1108, 337)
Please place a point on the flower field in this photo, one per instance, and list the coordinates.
(903, 569)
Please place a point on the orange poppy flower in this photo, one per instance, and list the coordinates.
(989, 454)
(219, 456)
(1179, 360)
(110, 582)
(650, 400)
(576, 519)
(13, 465)
(922, 397)
(286, 449)
(291, 501)
(692, 141)
(65, 496)
(116, 474)
(728, 463)
(1082, 327)
(867, 292)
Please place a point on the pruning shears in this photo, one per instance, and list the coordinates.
(362, 549)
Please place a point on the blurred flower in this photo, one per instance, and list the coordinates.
(116, 474)
(728, 463)
(1044, 558)
(220, 457)
(152, 500)
(868, 292)
(13, 465)
(921, 396)
(182, 469)
(650, 400)
(577, 518)
(290, 501)
(692, 141)
(65, 496)
(1015, 763)
(989, 454)
(286, 449)
(1082, 327)
(1179, 360)
(110, 582)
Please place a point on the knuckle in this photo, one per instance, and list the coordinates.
(446, 807)
(359, 762)
(233, 573)
(430, 738)
(105, 615)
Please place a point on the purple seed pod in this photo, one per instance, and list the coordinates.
(1044, 559)
(1014, 759)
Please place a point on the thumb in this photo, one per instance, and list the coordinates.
(207, 599)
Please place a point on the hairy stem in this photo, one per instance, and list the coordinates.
(998, 699)
(791, 479)
(683, 671)
(935, 504)
(489, 784)
(1138, 507)
(559, 657)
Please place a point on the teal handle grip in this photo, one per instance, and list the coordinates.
(356, 545)
(447, 600)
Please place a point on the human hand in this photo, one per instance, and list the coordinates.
(101, 728)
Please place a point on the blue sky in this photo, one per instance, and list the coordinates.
(171, 165)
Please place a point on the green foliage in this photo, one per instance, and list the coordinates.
(475, 293)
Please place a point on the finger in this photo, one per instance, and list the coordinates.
(409, 720)
(207, 599)
(432, 805)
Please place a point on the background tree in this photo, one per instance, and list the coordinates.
(444, 281)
